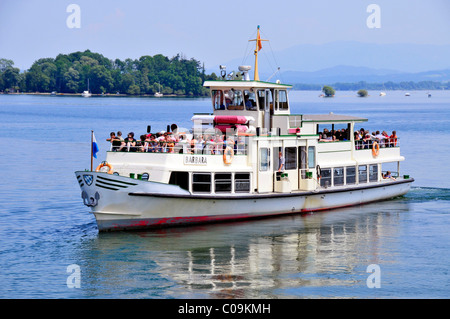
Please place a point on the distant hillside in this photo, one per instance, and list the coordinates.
(355, 74)
(409, 58)
(350, 62)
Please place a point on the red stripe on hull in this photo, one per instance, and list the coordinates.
(130, 224)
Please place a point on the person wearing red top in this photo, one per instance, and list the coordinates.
(393, 139)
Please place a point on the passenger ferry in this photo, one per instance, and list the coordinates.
(257, 160)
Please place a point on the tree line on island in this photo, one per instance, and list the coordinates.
(362, 85)
(328, 91)
(70, 73)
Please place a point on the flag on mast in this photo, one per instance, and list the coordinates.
(94, 146)
(258, 41)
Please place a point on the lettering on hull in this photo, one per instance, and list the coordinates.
(195, 160)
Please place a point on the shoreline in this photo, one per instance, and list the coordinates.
(98, 95)
(170, 95)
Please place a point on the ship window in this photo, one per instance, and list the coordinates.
(282, 100)
(334, 132)
(338, 176)
(290, 157)
(229, 96)
(311, 156)
(262, 99)
(218, 101)
(351, 175)
(250, 101)
(242, 182)
(373, 173)
(201, 182)
(222, 182)
(362, 174)
(237, 100)
(325, 180)
(180, 178)
(264, 159)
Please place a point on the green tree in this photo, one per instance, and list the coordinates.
(328, 91)
(100, 80)
(133, 89)
(10, 77)
(362, 93)
(71, 80)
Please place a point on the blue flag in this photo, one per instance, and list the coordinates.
(94, 146)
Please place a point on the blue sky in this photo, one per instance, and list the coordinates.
(210, 31)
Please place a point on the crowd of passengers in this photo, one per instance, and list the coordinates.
(333, 135)
(363, 139)
(168, 142)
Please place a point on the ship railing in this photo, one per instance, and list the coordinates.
(239, 148)
(366, 145)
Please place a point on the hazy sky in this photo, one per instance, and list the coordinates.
(210, 31)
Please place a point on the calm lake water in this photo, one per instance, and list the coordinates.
(45, 228)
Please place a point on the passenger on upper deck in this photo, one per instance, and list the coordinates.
(152, 143)
(170, 143)
(358, 142)
(393, 139)
(119, 136)
(199, 144)
(379, 138)
(218, 143)
(115, 141)
(112, 136)
(129, 143)
(367, 139)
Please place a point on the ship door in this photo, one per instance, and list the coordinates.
(266, 104)
(265, 173)
(302, 165)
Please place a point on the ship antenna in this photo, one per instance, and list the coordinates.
(258, 47)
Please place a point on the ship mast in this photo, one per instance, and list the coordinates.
(258, 47)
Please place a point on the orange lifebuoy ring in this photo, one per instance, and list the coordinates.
(375, 149)
(102, 164)
(228, 155)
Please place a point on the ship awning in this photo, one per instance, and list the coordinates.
(328, 118)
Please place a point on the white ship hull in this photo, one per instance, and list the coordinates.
(123, 203)
(285, 163)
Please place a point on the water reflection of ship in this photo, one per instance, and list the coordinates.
(237, 261)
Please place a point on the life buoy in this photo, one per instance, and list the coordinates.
(103, 164)
(228, 155)
(375, 149)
